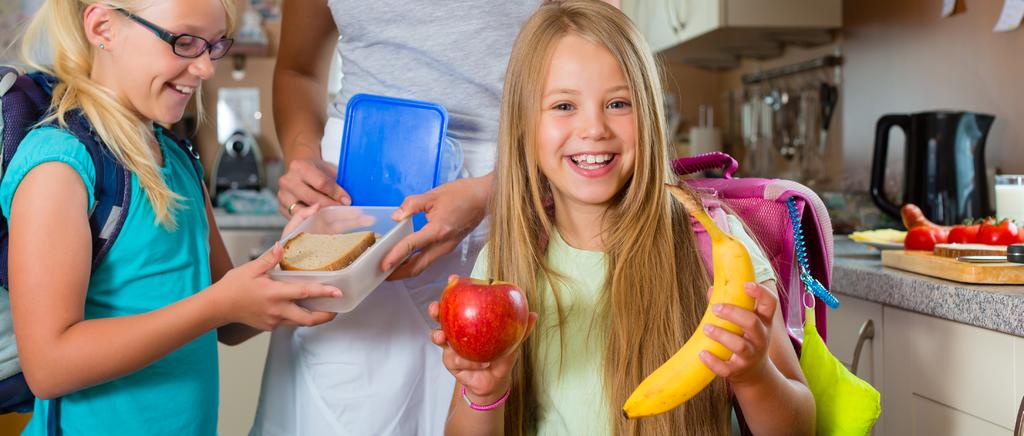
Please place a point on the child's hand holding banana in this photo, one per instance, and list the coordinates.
(732, 337)
(750, 348)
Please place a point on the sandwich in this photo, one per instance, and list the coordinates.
(313, 252)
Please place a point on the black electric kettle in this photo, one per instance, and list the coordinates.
(944, 168)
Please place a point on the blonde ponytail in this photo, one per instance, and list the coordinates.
(59, 25)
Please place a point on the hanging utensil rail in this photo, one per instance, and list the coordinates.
(774, 73)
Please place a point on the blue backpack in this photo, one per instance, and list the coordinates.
(24, 101)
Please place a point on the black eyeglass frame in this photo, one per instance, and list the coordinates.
(172, 38)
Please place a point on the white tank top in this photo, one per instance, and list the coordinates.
(374, 371)
(451, 52)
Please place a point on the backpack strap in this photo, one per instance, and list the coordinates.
(712, 160)
(112, 189)
(8, 76)
(186, 146)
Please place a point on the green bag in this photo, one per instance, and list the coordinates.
(844, 404)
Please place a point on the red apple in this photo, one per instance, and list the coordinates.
(482, 319)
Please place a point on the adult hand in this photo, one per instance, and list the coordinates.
(750, 350)
(308, 182)
(453, 211)
(299, 214)
(485, 382)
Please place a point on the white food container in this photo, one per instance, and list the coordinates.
(362, 276)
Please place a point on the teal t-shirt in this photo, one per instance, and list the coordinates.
(147, 268)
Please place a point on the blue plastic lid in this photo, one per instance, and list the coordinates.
(392, 148)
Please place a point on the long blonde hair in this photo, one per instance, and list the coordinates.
(58, 25)
(655, 288)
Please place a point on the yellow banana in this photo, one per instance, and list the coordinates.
(684, 374)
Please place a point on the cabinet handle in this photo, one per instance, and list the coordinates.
(682, 10)
(1018, 428)
(673, 15)
(867, 331)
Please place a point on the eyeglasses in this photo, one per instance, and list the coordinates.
(185, 45)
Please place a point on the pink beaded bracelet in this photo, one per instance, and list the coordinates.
(491, 406)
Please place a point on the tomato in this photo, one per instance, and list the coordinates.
(964, 234)
(1004, 232)
(924, 238)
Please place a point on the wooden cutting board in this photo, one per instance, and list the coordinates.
(923, 262)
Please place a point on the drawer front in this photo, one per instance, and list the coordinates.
(944, 377)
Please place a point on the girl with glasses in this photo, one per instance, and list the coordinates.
(128, 346)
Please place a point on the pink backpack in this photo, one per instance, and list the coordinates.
(762, 205)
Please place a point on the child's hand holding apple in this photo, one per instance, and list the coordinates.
(482, 325)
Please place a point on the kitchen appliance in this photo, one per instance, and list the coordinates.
(239, 164)
(944, 164)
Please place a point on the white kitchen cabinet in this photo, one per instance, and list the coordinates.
(701, 31)
(666, 23)
(241, 374)
(849, 325)
(1018, 349)
(244, 245)
(241, 366)
(859, 321)
(946, 378)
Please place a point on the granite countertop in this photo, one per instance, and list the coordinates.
(229, 221)
(857, 271)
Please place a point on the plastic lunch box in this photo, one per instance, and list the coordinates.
(357, 280)
(392, 148)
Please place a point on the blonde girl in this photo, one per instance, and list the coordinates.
(582, 221)
(129, 347)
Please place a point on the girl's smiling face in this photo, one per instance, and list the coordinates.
(586, 136)
(143, 70)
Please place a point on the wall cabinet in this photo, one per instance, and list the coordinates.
(714, 33)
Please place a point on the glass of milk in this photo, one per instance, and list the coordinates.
(1010, 197)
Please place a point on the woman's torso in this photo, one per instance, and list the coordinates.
(374, 370)
(452, 53)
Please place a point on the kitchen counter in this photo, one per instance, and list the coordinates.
(857, 271)
(248, 222)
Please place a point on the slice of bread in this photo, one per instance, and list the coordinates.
(957, 250)
(311, 252)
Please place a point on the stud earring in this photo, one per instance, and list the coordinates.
(102, 46)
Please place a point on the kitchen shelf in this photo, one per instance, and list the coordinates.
(240, 48)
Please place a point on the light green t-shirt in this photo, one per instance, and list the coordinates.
(148, 267)
(572, 395)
